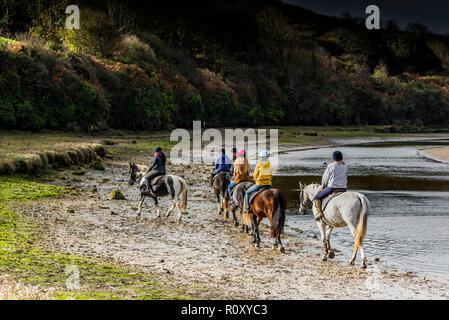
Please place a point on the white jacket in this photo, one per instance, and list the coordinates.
(335, 176)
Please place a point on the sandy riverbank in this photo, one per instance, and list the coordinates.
(204, 255)
(439, 154)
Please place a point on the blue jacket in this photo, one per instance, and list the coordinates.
(159, 162)
(223, 162)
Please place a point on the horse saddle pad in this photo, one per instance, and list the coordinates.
(221, 172)
(326, 200)
(156, 180)
(233, 188)
(254, 194)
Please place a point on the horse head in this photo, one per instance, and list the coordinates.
(304, 201)
(133, 173)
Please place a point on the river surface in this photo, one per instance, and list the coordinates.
(408, 226)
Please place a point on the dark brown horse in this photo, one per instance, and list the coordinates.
(220, 185)
(269, 204)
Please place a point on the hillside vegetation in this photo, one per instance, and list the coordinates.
(161, 64)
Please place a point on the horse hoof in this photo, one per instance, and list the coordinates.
(363, 264)
(282, 250)
(351, 263)
(236, 224)
(257, 245)
(331, 255)
(275, 248)
(324, 258)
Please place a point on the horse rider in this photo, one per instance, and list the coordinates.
(159, 168)
(263, 175)
(241, 170)
(222, 163)
(234, 157)
(335, 177)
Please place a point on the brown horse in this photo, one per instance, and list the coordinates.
(220, 185)
(269, 204)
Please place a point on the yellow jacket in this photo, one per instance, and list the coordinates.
(263, 174)
(241, 170)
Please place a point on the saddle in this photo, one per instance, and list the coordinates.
(221, 172)
(333, 195)
(156, 180)
(254, 194)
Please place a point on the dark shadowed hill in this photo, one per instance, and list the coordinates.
(159, 64)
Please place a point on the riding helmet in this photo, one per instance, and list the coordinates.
(337, 156)
(158, 149)
(241, 152)
(264, 154)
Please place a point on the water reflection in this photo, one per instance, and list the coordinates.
(409, 195)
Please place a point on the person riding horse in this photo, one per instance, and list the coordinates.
(263, 174)
(335, 177)
(222, 163)
(159, 168)
(241, 170)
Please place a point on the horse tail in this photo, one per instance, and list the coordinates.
(360, 229)
(277, 223)
(224, 186)
(184, 195)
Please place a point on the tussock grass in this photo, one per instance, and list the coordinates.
(30, 153)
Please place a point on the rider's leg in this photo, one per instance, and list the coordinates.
(248, 195)
(317, 201)
(150, 179)
(230, 187)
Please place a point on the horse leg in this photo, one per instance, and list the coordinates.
(180, 210)
(171, 209)
(354, 253)
(236, 223)
(254, 227)
(219, 204)
(256, 231)
(322, 228)
(281, 247)
(225, 207)
(139, 212)
(329, 229)
(363, 265)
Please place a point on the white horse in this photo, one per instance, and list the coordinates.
(162, 186)
(348, 209)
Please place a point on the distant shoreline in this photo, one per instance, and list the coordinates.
(437, 154)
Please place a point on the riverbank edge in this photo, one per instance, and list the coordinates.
(436, 154)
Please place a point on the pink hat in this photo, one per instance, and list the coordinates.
(241, 152)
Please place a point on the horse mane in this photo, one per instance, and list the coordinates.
(315, 187)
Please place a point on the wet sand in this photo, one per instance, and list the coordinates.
(204, 255)
(438, 154)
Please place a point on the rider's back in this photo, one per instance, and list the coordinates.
(336, 176)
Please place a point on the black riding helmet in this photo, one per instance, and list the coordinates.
(337, 156)
(158, 149)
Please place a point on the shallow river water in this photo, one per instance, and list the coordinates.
(408, 226)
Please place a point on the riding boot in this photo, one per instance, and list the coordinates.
(149, 188)
(211, 179)
(319, 212)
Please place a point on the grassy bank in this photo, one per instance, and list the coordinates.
(304, 135)
(25, 152)
(23, 259)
